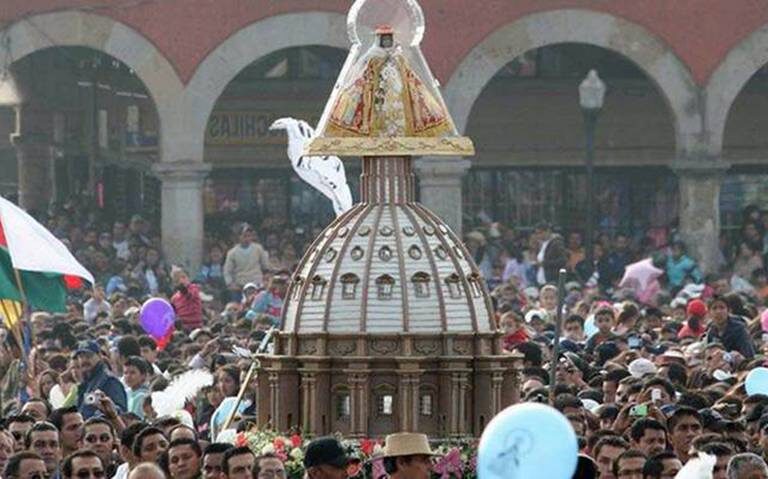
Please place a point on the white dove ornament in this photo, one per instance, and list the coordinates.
(324, 173)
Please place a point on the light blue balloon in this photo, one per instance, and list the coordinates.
(589, 326)
(757, 381)
(528, 440)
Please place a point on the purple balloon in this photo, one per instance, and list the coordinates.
(157, 317)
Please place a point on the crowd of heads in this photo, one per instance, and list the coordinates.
(648, 381)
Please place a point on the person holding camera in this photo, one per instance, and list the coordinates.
(96, 376)
(186, 300)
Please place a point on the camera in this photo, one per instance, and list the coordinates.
(640, 410)
(90, 399)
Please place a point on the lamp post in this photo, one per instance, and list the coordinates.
(591, 96)
(9, 93)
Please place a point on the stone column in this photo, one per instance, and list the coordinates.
(360, 393)
(440, 182)
(699, 184)
(33, 153)
(182, 211)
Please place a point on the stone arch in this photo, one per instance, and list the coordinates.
(538, 30)
(729, 79)
(74, 28)
(246, 46)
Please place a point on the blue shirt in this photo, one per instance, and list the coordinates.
(679, 269)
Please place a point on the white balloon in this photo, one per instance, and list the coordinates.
(528, 440)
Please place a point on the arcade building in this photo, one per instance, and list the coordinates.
(150, 108)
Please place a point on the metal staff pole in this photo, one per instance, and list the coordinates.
(248, 376)
(558, 331)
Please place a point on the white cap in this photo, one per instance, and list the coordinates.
(590, 404)
(540, 313)
(641, 367)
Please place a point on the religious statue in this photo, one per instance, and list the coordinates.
(386, 98)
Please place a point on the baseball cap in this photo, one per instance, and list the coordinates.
(325, 450)
(536, 313)
(640, 367)
(87, 347)
(696, 308)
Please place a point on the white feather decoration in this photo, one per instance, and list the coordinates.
(698, 467)
(181, 389)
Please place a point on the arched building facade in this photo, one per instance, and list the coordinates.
(696, 79)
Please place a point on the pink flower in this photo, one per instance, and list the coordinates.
(241, 440)
(279, 444)
(296, 440)
(450, 465)
(366, 445)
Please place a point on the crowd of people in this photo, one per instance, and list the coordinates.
(649, 375)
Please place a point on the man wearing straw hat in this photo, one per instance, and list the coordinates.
(408, 456)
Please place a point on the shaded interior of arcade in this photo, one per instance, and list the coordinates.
(99, 118)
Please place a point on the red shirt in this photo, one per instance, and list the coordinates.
(188, 307)
(518, 337)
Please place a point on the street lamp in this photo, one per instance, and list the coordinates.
(9, 93)
(591, 96)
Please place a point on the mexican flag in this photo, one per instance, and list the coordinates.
(45, 266)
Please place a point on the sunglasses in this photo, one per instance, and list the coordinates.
(93, 438)
(86, 474)
(17, 435)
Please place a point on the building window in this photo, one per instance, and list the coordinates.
(421, 284)
(343, 405)
(425, 404)
(454, 288)
(385, 405)
(385, 284)
(474, 285)
(298, 283)
(349, 284)
(318, 288)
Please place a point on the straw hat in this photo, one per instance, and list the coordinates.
(407, 444)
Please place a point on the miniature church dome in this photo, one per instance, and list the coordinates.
(387, 268)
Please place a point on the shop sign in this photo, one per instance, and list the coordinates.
(247, 127)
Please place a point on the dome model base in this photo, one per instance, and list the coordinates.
(387, 326)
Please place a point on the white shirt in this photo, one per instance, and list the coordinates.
(540, 276)
(121, 472)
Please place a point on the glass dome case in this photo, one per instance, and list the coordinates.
(386, 101)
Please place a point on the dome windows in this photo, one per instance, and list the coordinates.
(318, 287)
(349, 282)
(454, 288)
(298, 284)
(475, 287)
(357, 253)
(420, 282)
(385, 285)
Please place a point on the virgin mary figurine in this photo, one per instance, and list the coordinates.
(386, 98)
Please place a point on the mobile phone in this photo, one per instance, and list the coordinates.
(634, 342)
(655, 395)
(640, 410)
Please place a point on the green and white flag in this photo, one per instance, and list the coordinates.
(46, 267)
